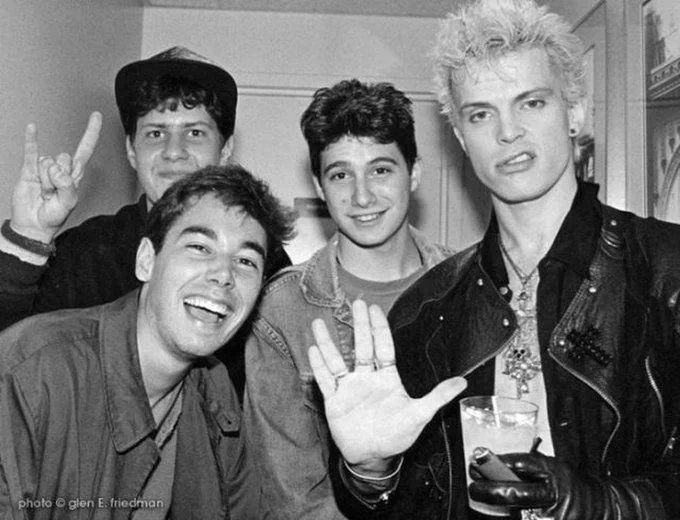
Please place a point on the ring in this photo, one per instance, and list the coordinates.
(42, 158)
(359, 362)
(385, 364)
(341, 374)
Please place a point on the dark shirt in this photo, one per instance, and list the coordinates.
(561, 272)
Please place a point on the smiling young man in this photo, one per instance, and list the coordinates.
(119, 411)
(364, 160)
(178, 111)
(566, 302)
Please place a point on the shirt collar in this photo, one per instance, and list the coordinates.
(127, 403)
(576, 241)
(128, 408)
(574, 245)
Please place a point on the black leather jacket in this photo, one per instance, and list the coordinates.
(454, 321)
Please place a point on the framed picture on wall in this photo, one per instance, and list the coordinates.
(585, 154)
(661, 33)
(590, 159)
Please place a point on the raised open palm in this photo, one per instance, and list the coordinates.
(369, 413)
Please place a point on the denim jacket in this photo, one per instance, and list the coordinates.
(283, 406)
(454, 321)
(77, 432)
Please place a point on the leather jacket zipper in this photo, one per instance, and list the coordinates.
(447, 444)
(449, 463)
(657, 392)
(670, 443)
(604, 397)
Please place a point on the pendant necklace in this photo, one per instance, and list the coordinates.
(521, 363)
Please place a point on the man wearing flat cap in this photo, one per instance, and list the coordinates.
(178, 111)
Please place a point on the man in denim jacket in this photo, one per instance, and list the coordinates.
(565, 302)
(364, 159)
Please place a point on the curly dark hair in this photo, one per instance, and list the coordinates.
(377, 111)
(234, 186)
(168, 93)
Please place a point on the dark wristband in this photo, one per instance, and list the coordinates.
(34, 246)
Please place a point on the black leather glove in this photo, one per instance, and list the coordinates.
(561, 493)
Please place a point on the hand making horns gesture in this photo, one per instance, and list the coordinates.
(369, 413)
(46, 191)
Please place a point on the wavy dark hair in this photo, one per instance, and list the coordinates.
(169, 93)
(377, 111)
(234, 186)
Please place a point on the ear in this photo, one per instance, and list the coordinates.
(227, 150)
(577, 114)
(318, 188)
(131, 154)
(461, 139)
(144, 261)
(416, 173)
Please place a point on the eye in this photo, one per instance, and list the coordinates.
(195, 132)
(198, 248)
(479, 115)
(247, 263)
(383, 170)
(338, 176)
(534, 103)
(154, 134)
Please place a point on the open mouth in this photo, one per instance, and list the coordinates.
(205, 309)
(519, 158)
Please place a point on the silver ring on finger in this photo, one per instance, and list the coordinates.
(339, 375)
(385, 363)
(360, 362)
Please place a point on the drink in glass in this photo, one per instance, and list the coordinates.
(502, 424)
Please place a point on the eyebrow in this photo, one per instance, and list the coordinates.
(166, 125)
(546, 91)
(376, 160)
(202, 230)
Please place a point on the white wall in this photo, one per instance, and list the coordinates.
(57, 62)
(279, 59)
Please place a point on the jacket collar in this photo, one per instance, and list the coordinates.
(574, 245)
(319, 281)
(128, 410)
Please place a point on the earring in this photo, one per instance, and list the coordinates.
(572, 132)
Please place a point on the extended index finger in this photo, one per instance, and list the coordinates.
(89, 140)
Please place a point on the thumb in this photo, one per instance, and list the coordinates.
(440, 395)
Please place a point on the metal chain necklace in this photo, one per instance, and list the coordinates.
(521, 364)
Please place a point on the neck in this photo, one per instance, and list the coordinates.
(528, 229)
(161, 372)
(395, 259)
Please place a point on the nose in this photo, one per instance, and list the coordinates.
(509, 129)
(362, 195)
(220, 272)
(175, 148)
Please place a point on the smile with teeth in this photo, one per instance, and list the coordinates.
(205, 305)
(370, 217)
(519, 158)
